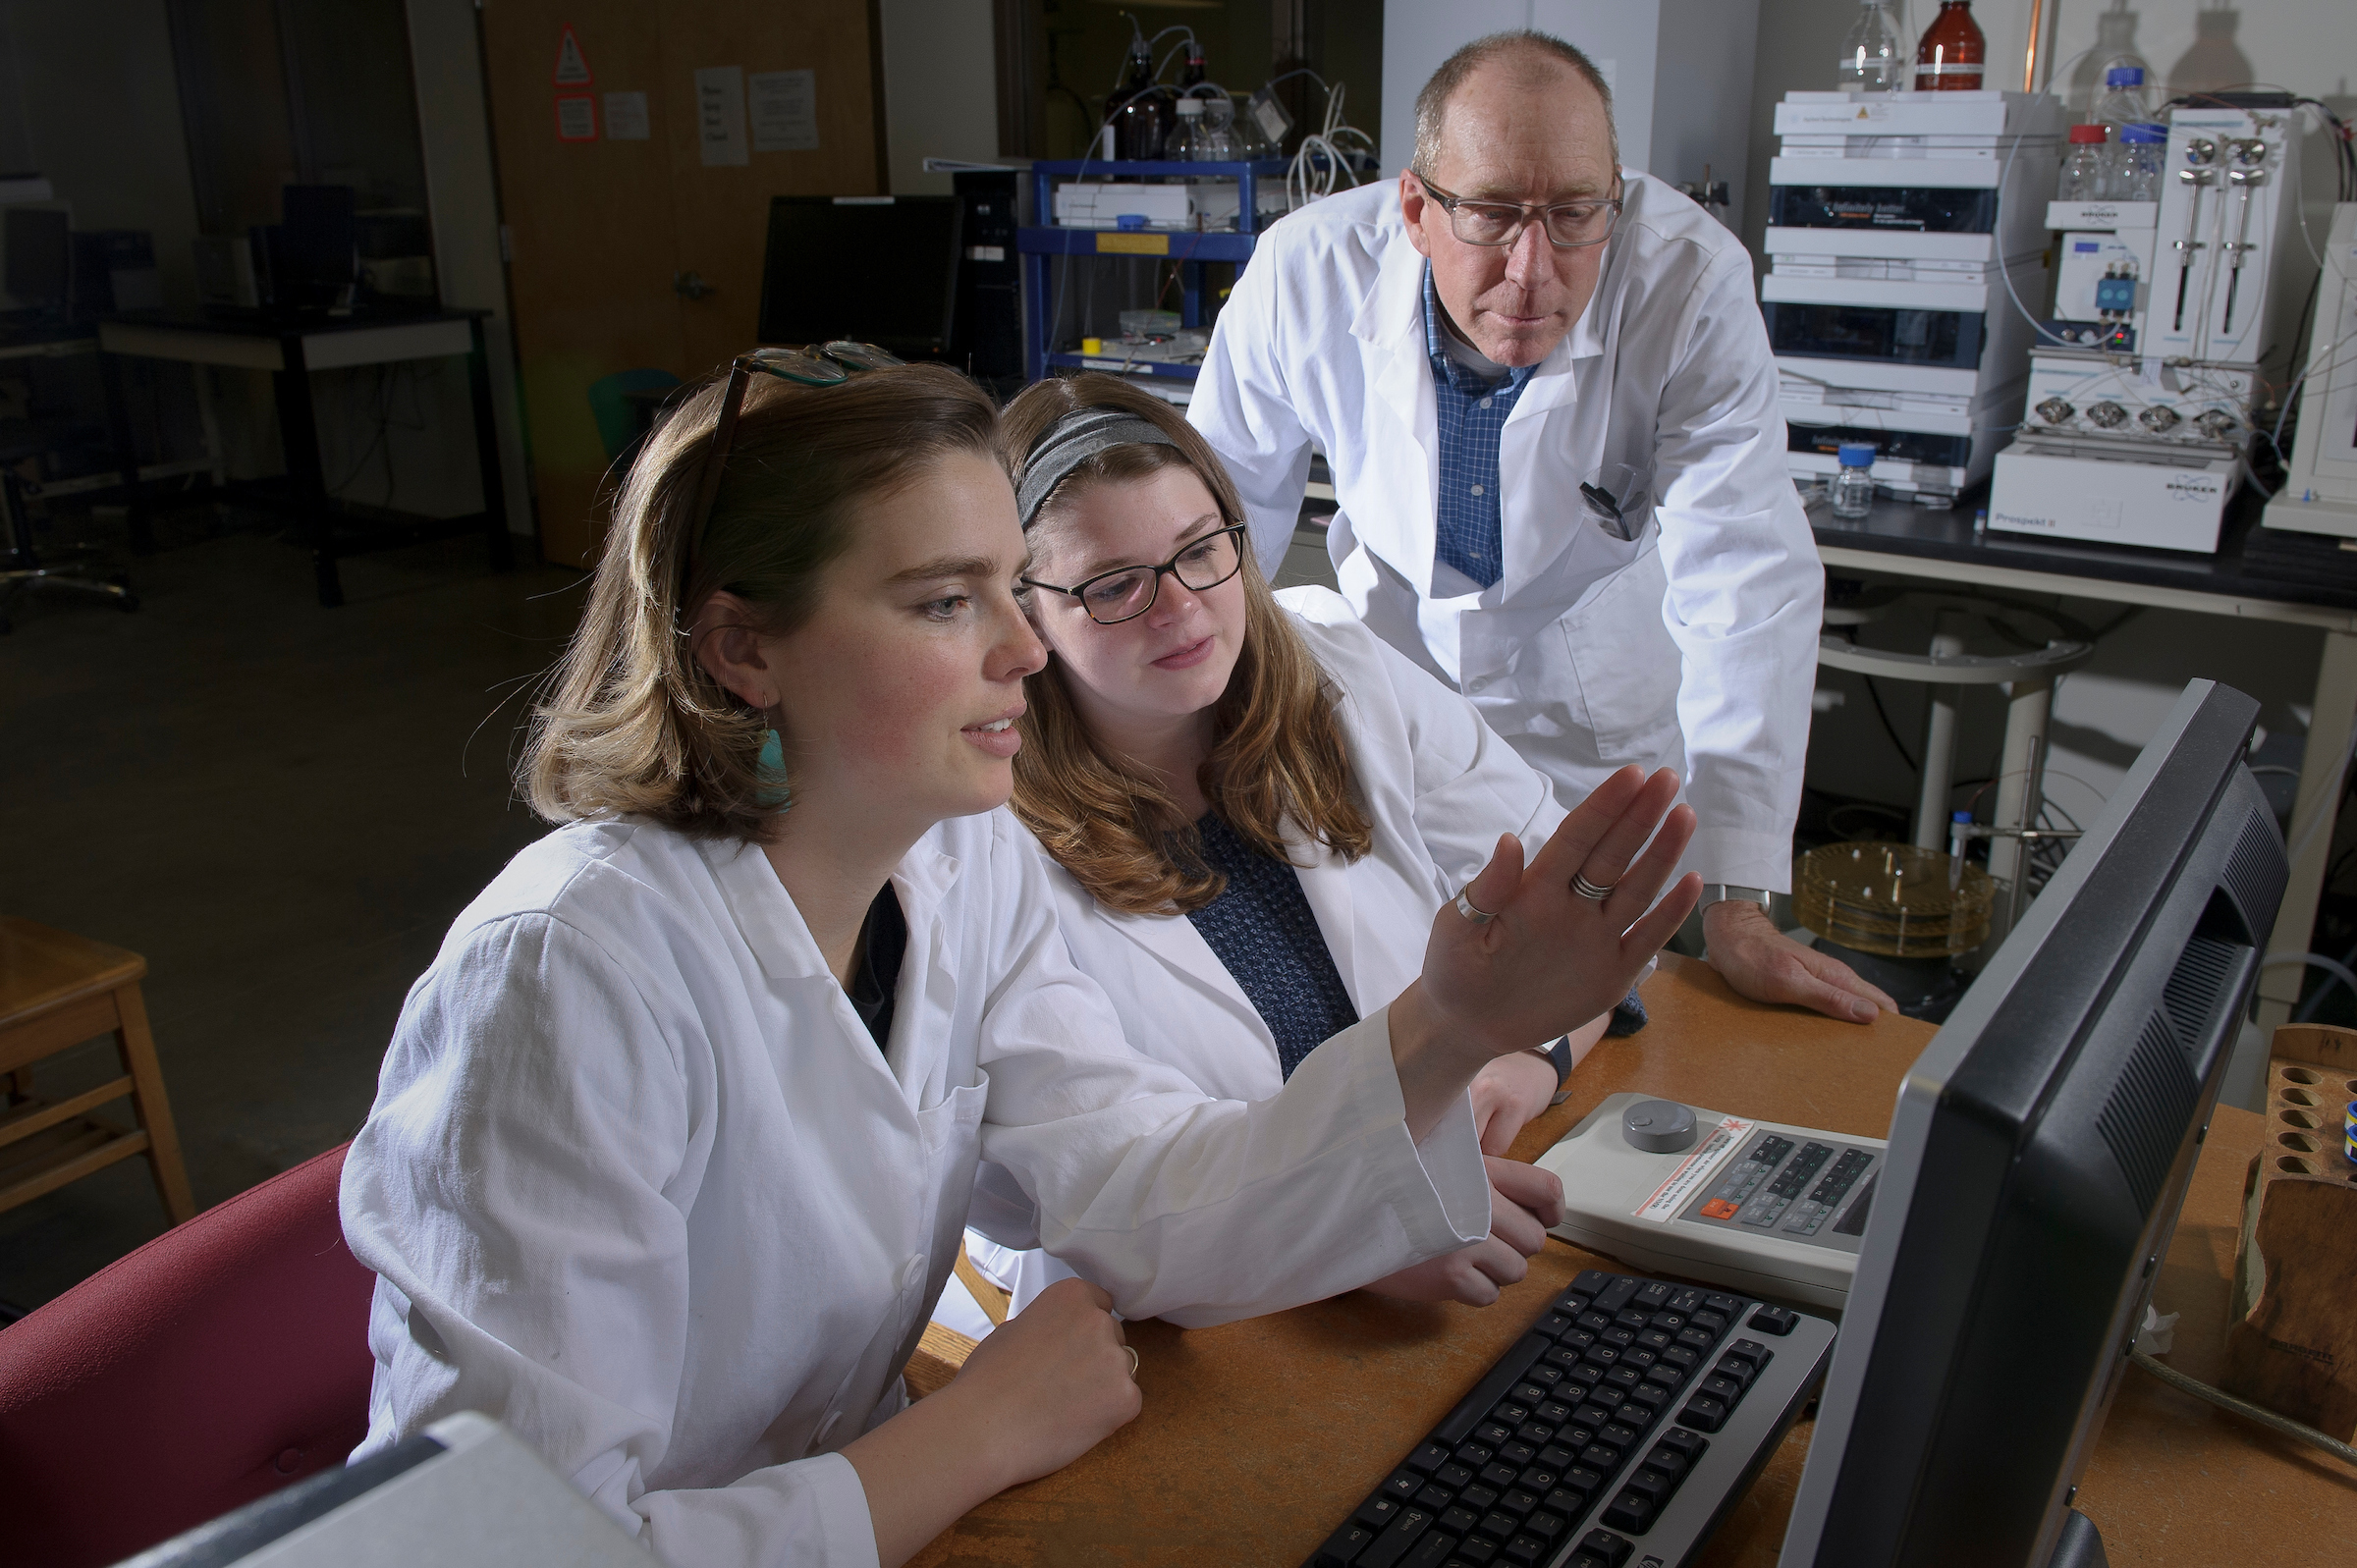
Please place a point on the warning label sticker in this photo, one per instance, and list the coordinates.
(1695, 1170)
(573, 69)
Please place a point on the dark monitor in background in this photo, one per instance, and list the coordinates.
(314, 251)
(2039, 1150)
(878, 269)
(37, 258)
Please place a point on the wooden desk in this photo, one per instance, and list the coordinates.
(1258, 1438)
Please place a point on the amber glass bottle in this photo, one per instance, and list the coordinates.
(1952, 51)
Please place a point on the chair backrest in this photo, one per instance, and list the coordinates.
(220, 1362)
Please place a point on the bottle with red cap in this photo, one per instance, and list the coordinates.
(2087, 167)
(1952, 51)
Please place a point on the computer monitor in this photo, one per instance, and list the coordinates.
(879, 269)
(2039, 1153)
(38, 266)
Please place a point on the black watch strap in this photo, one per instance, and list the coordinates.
(1561, 1055)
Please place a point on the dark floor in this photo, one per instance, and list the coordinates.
(282, 807)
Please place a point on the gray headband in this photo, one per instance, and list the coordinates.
(1077, 438)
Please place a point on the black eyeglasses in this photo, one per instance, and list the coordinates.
(1568, 225)
(823, 364)
(1127, 592)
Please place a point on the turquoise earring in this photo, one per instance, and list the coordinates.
(772, 765)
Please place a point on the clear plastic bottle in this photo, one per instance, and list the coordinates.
(1215, 137)
(1873, 56)
(2122, 103)
(1185, 143)
(2087, 168)
(1853, 486)
(2142, 149)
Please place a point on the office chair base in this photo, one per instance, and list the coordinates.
(16, 581)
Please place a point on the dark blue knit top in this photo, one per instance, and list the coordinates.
(1262, 927)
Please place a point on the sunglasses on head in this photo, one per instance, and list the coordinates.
(824, 365)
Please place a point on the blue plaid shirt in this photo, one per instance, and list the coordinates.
(1470, 525)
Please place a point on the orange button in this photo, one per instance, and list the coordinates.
(1721, 1209)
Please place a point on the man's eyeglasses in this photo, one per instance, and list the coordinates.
(1568, 225)
(818, 365)
(1127, 592)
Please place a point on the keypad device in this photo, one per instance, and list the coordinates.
(1571, 1448)
(1789, 1187)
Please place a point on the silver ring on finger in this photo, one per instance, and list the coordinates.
(1472, 912)
(1587, 889)
(1132, 1352)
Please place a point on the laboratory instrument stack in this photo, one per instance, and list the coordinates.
(2320, 480)
(1895, 220)
(2171, 316)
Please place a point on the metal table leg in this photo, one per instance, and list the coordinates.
(299, 434)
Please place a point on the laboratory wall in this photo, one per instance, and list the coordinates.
(939, 88)
(2105, 712)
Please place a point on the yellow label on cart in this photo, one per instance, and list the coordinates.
(1134, 245)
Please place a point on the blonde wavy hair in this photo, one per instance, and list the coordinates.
(1277, 756)
(631, 722)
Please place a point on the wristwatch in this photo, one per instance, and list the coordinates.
(1558, 1056)
(1720, 891)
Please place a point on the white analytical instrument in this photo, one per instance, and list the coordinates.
(1895, 222)
(2168, 327)
(2320, 484)
(1757, 1206)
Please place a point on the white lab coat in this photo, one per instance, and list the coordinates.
(639, 1183)
(1438, 788)
(1691, 646)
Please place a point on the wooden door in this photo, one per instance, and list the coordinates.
(589, 233)
(720, 208)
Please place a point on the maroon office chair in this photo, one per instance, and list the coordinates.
(220, 1362)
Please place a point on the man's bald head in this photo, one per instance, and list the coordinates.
(1533, 60)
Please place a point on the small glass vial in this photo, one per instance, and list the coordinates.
(1853, 486)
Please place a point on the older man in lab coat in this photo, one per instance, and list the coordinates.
(1550, 408)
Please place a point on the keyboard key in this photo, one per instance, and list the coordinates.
(1657, 1340)
(1343, 1546)
(1624, 1378)
(1517, 1453)
(1637, 1356)
(1492, 1432)
(1478, 1498)
(1668, 1462)
(1385, 1550)
(1592, 1415)
(1725, 1389)
(1594, 1321)
(1696, 1338)
(1588, 1281)
(1680, 1357)
(1719, 1303)
(1459, 1521)
(1436, 1498)
(1474, 1455)
(1628, 1512)
(1704, 1413)
(1525, 1551)
(1653, 1294)
(1554, 1412)
(1454, 1476)
(1617, 1336)
(1553, 1323)
(1753, 1351)
(1555, 1456)
(1428, 1458)
(1378, 1511)
(1652, 1485)
(1403, 1485)
(1528, 1394)
(1686, 1300)
(1499, 1527)
(1505, 1476)
(1544, 1376)
(1517, 1502)
(1539, 1480)
(1567, 1502)
(1710, 1320)
(1616, 1293)
(1664, 1375)
(1510, 1414)
(1620, 1433)
(1607, 1548)
(1582, 1477)
(1547, 1527)
(1632, 1319)
(1602, 1456)
(1678, 1440)
(1475, 1550)
(1431, 1551)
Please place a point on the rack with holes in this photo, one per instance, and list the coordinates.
(1197, 188)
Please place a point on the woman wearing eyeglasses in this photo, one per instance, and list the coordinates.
(1253, 805)
(675, 1141)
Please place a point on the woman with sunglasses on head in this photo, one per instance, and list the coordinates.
(1253, 804)
(674, 1142)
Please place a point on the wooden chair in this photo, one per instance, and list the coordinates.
(941, 1351)
(58, 989)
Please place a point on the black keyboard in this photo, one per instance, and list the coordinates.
(1614, 1435)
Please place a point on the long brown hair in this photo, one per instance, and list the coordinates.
(1276, 755)
(633, 723)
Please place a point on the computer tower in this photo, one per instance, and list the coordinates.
(987, 340)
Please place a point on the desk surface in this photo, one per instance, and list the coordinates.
(2296, 569)
(1259, 1436)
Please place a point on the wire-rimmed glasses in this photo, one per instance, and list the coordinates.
(1568, 225)
(823, 364)
(1127, 592)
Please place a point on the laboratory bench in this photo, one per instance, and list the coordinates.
(1259, 1437)
(2255, 575)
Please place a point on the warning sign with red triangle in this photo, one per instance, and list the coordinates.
(573, 67)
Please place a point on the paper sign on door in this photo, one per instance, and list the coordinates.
(720, 116)
(784, 111)
(576, 119)
(573, 67)
(626, 117)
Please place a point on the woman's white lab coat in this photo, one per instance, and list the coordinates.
(639, 1183)
(1438, 786)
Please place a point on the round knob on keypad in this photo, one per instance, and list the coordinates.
(1657, 1126)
